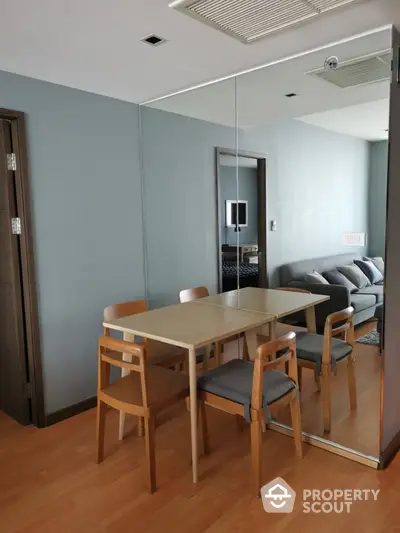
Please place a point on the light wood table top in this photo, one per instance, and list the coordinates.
(269, 301)
(190, 325)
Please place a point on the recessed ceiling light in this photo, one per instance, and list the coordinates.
(290, 95)
(153, 39)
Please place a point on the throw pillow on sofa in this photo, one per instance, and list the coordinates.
(355, 275)
(315, 277)
(370, 270)
(379, 263)
(337, 278)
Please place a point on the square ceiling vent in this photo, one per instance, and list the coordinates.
(251, 20)
(358, 71)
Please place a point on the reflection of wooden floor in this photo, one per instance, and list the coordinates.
(358, 431)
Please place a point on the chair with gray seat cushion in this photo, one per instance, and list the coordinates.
(322, 353)
(250, 389)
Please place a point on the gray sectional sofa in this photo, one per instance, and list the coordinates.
(364, 301)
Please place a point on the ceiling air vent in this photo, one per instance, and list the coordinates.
(358, 71)
(250, 20)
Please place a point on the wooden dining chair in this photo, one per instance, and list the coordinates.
(158, 353)
(250, 389)
(144, 392)
(324, 352)
(297, 330)
(189, 295)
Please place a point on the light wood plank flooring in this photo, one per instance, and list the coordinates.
(50, 483)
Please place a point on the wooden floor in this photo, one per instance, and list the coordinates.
(50, 483)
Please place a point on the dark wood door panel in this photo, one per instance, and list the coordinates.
(13, 356)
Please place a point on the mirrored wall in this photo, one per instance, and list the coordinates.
(263, 180)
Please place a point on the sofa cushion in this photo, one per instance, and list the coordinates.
(378, 262)
(370, 270)
(315, 277)
(375, 290)
(362, 301)
(297, 270)
(355, 275)
(337, 278)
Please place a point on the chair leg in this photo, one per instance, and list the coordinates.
(218, 353)
(300, 376)
(204, 428)
(206, 358)
(326, 397)
(256, 454)
(100, 427)
(121, 429)
(317, 380)
(296, 425)
(149, 435)
(140, 426)
(352, 383)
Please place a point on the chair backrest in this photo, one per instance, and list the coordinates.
(123, 309)
(111, 354)
(293, 289)
(262, 363)
(345, 318)
(188, 295)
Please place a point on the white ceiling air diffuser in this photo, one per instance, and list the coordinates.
(250, 20)
(358, 71)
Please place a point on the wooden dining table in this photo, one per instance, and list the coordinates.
(212, 319)
(272, 302)
(191, 325)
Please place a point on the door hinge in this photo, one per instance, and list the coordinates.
(28, 390)
(11, 162)
(16, 226)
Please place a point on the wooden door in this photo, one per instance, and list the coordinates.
(14, 394)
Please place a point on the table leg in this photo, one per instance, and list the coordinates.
(251, 341)
(310, 319)
(193, 412)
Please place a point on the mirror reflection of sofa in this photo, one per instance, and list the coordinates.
(364, 299)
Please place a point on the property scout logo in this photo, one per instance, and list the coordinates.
(278, 497)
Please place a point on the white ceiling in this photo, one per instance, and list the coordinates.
(367, 121)
(95, 45)
(260, 95)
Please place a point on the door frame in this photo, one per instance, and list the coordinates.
(261, 204)
(28, 272)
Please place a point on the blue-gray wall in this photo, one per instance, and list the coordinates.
(180, 202)
(87, 212)
(377, 198)
(85, 187)
(317, 189)
(247, 191)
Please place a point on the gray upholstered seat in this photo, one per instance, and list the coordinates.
(309, 346)
(234, 381)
